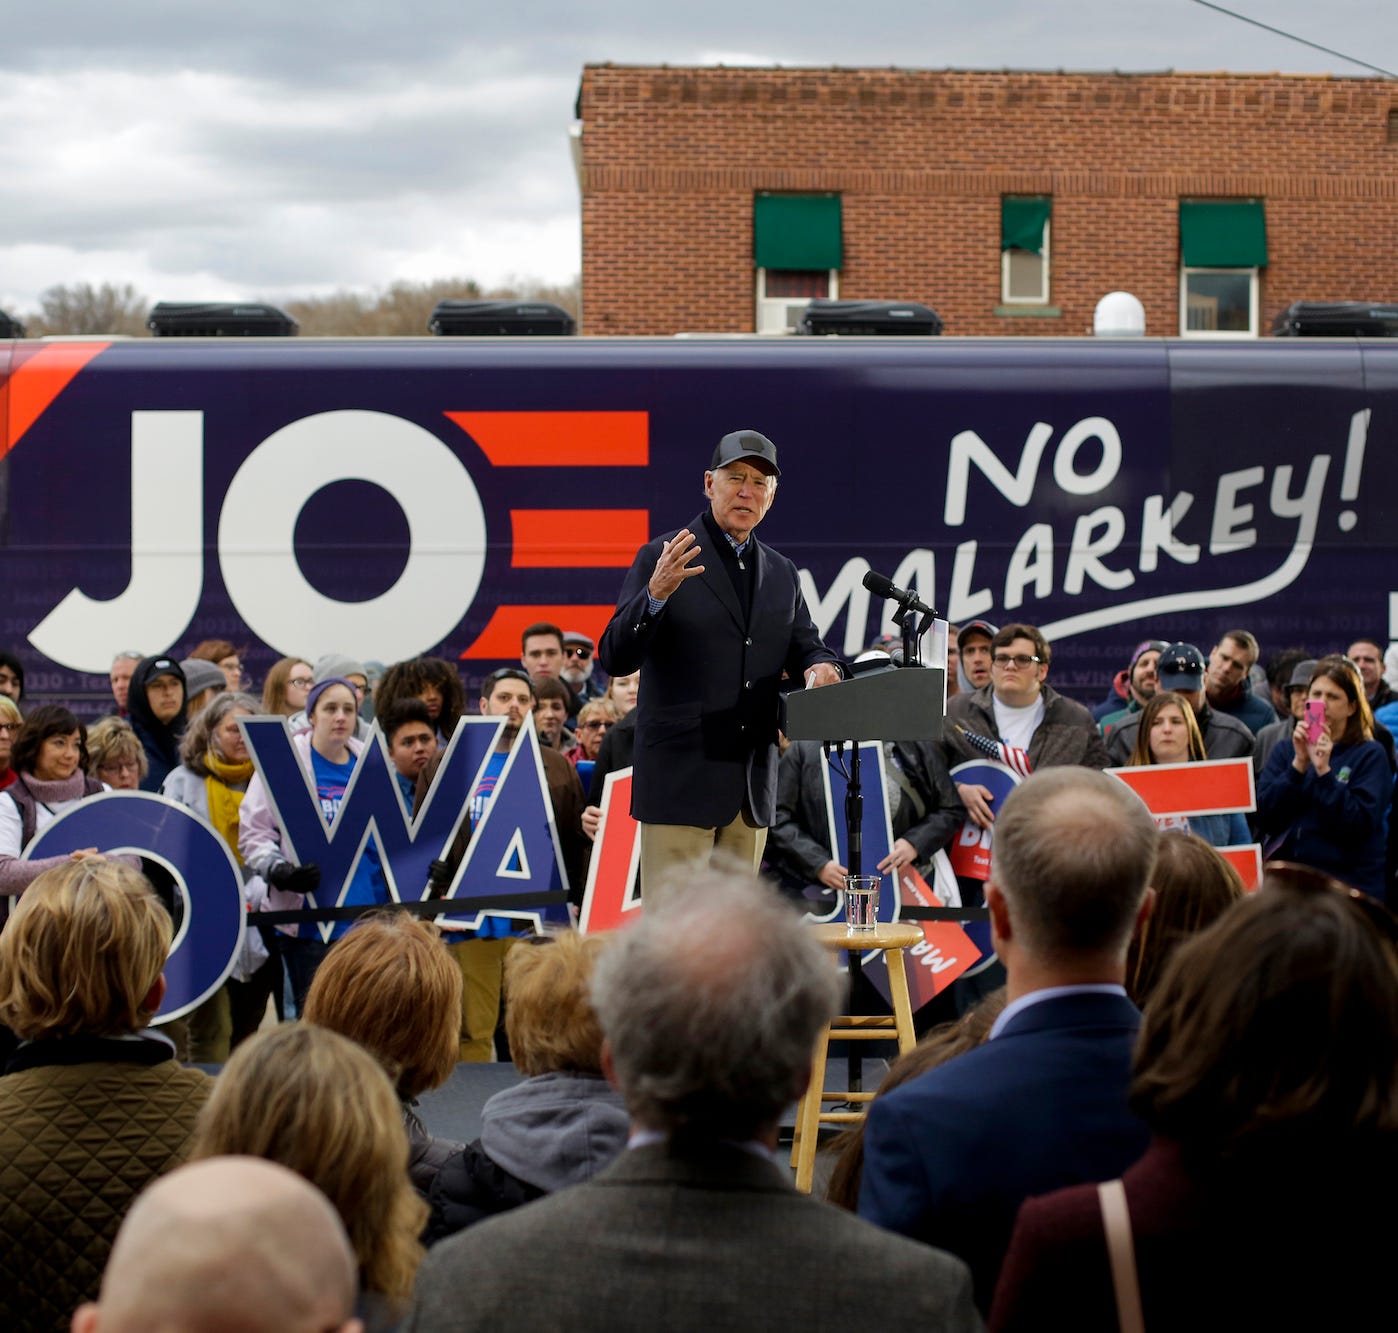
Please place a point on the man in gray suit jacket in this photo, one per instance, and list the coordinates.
(710, 1006)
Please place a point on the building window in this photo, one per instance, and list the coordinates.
(1024, 249)
(1223, 247)
(1218, 302)
(782, 294)
(797, 251)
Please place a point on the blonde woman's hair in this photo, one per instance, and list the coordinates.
(603, 707)
(549, 1017)
(390, 985)
(110, 740)
(319, 1104)
(9, 710)
(82, 952)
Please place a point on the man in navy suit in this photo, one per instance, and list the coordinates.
(712, 638)
(950, 1156)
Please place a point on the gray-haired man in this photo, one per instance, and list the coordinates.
(710, 1006)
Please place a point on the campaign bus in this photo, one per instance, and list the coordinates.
(390, 497)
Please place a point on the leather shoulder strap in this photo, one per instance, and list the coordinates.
(1121, 1250)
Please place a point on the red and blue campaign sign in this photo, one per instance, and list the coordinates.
(970, 851)
(385, 498)
(613, 893)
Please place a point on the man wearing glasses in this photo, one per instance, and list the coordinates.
(712, 619)
(1020, 711)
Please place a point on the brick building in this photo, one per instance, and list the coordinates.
(720, 200)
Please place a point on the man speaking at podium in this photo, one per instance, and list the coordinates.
(711, 618)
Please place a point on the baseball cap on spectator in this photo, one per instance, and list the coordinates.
(200, 675)
(746, 444)
(1181, 667)
(574, 638)
(977, 627)
(1301, 674)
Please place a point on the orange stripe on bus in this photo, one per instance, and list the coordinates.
(578, 538)
(559, 439)
(500, 639)
(37, 380)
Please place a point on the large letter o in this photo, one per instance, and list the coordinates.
(446, 523)
(215, 914)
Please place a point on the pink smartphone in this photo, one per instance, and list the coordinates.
(1315, 720)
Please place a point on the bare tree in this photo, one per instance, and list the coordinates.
(83, 308)
(402, 309)
(405, 308)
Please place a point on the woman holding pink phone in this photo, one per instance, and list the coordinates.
(1324, 794)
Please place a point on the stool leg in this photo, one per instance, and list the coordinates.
(902, 1004)
(809, 1127)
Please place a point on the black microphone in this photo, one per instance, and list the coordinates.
(884, 587)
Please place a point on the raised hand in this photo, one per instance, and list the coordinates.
(674, 566)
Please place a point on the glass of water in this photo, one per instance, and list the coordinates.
(862, 904)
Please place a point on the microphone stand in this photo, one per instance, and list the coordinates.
(912, 631)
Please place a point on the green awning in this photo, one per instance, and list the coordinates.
(799, 231)
(1224, 233)
(1023, 218)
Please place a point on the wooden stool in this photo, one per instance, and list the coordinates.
(892, 938)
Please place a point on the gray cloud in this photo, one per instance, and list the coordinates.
(277, 148)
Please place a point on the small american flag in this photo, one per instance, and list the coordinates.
(1009, 755)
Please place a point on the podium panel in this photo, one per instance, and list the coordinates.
(899, 704)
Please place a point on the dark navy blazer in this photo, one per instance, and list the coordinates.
(949, 1157)
(710, 703)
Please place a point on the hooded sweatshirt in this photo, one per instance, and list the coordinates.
(548, 1132)
(160, 740)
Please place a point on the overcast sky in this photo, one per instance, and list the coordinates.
(278, 148)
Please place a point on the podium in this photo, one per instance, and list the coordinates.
(893, 704)
(890, 704)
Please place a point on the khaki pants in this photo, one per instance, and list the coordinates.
(667, 848)
(482, 964)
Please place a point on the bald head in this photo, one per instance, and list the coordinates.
(227, 1245)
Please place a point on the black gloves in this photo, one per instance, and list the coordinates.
(438, 879)
(294, 879)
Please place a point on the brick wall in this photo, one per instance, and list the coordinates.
(671, 159)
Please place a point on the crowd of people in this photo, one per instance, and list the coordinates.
(1160, 1067)
(1177, 1080)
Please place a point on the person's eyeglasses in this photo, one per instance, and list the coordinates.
(582, 654)
(595, 726)
(8, 727)
(302, 682)
(1021, 660)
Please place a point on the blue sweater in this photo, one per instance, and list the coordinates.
(1337, 823)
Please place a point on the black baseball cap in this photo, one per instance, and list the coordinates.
(741, 444)
(1180, 667)
(977, 627)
